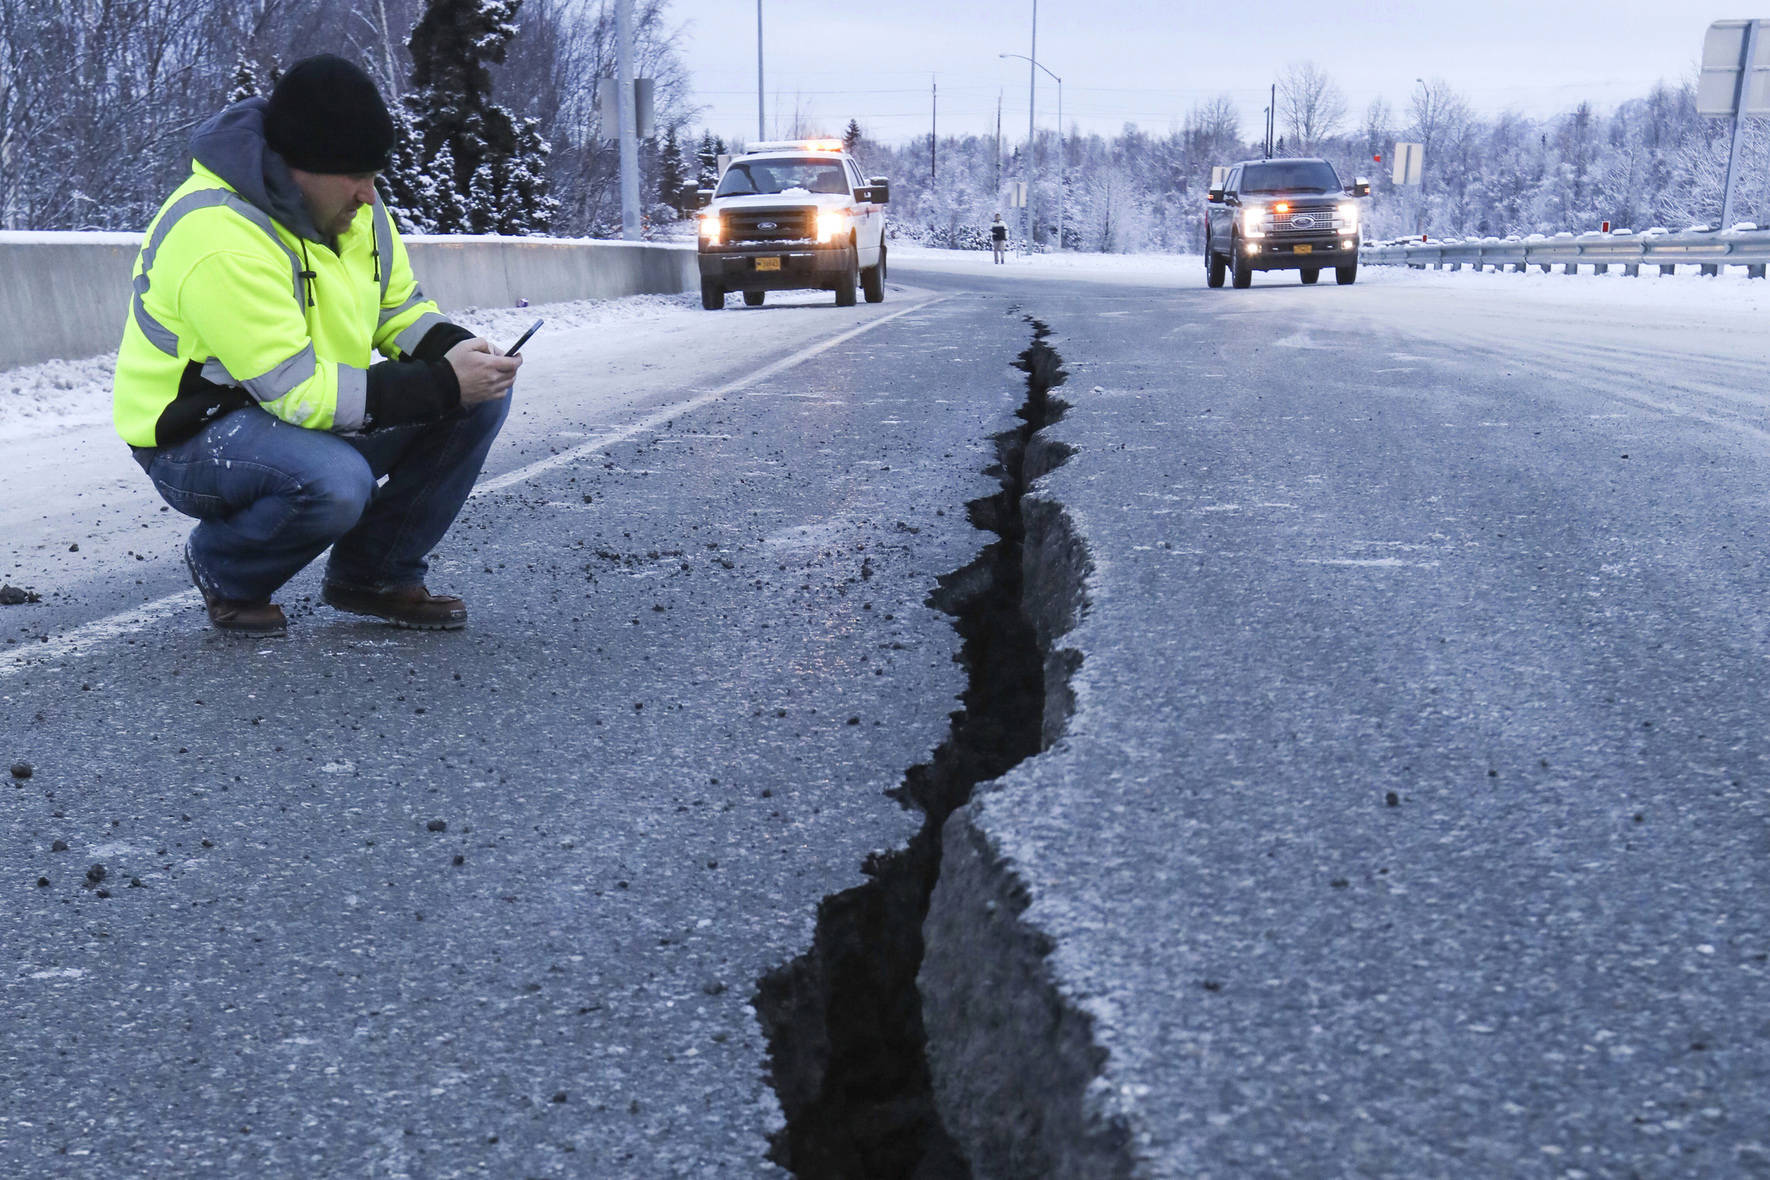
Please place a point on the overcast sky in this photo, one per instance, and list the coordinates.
(1149, 62)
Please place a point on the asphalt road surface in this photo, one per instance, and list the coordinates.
(1412, 816)
(1401, 810)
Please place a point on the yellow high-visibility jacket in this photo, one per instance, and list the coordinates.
(233, 306)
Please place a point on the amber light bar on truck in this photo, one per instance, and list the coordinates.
(795, 145)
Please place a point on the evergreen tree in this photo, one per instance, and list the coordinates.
(851, 137)
(409, 186)
(672, 190)
(250, 81)
(710, 149)
(464, 141)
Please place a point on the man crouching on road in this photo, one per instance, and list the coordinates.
(245, 385)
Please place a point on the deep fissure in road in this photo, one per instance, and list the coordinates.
(844, 1020)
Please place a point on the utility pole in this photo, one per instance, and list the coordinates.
(998, 145)
(629, 121)
(761, 134)
(1271, 119)
(1032, 82)
(934, 133)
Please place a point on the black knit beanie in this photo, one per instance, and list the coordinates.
(325, 115)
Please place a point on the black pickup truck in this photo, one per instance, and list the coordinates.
(1282, 215)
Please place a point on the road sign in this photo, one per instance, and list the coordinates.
(1734, 84)
(1724, 49)
(608, 97)
(1410, 163)
(1017, 194)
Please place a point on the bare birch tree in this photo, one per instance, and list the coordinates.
(1310, 106)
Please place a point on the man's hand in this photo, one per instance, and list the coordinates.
(484, 373)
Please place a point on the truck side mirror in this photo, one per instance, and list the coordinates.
(1215, 196)
(1360, 187)
(705, 195)
(876, 192)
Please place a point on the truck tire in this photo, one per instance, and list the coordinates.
(1346, 275)
(1309, 274)
(712, 296)
(1243, 276)
(872, 280)
(754, 298)
(847, 277)
(1215, 268)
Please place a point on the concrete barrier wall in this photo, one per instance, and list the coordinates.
(66, 294)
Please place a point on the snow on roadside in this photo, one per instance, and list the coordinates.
(57, 395)
(38, 399)
(1731, 289)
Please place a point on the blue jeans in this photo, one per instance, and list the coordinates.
(270, 497)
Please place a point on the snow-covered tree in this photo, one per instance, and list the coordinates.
(498, 166)
(673, 191)
(707, 153)
(250, 81)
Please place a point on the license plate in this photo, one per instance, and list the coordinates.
(768, 264)
(1305, 249)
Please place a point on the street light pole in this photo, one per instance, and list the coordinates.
(1425, 142)
(1060, 160)
(628, 114)
(761, 132)
(1032, 78)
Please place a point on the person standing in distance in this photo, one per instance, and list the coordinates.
(247, 385)
(998, 238)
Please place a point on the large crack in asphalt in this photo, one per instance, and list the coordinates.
(844, 1020)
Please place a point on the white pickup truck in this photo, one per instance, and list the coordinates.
(793, 215)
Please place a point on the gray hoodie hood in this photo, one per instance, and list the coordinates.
(231, 145)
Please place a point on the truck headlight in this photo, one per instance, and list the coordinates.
(831, 224)
(1348, 213)
(1253, 221)
(711, 228)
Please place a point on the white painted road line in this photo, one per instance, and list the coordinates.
(656, 419)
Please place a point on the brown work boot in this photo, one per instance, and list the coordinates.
(241, 617)
(413, 607)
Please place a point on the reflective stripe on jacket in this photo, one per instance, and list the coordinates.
(230, 307)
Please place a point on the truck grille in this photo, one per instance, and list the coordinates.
(1305, 221)
(769, 225)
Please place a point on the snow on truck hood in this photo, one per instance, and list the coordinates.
(792, 196)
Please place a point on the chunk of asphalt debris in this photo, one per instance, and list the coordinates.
(22, 770)
(95, 874)
(437, 825)
(59, 846)
(11, 595)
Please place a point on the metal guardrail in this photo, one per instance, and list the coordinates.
(1709, 249)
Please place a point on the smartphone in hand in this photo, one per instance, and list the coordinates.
(524, 338)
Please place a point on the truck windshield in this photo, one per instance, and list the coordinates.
(1283, 176)
(747, 177)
